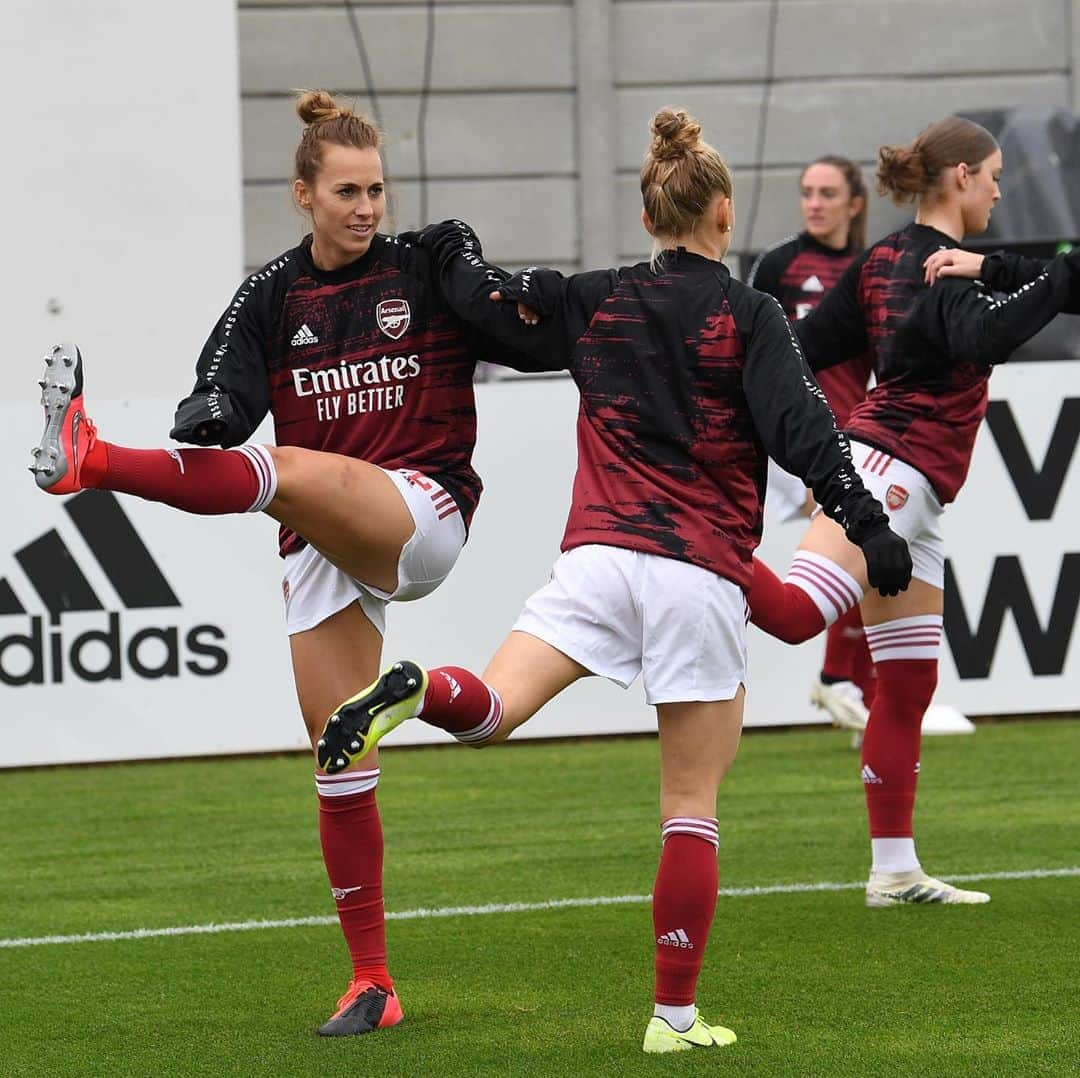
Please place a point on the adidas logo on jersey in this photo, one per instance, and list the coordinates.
(678, 938)
(812, 284)
(869, 776)
(304, 335)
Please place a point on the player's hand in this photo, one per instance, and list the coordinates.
(526, 314)
(952, 263)
(518, 289)
(888, 562)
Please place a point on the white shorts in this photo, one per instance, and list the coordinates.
(785, 495)
(913, 508)
(315, 589)
(621, 613)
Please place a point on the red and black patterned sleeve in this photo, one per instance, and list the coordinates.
(232, 393)
(969, 324)
(835, 331)
(793, 419)
(466, 281)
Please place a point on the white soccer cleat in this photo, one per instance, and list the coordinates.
(843, 700)
(917, 889)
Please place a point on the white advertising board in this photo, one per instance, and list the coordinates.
(172, 640)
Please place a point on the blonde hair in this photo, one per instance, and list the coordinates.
(680, 176)
(327, 122)
(909, 172)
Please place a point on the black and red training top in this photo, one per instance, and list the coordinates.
(799, 271)
(689, 380)
(367, 361)
(932, 348)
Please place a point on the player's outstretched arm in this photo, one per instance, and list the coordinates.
(799, 432)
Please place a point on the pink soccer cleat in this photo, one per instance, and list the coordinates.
(69, 434)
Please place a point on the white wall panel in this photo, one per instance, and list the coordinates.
(121, 183)
(506, 134)
(477, 48)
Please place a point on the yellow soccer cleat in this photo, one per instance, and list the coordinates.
(661, 1037)
(358, 724)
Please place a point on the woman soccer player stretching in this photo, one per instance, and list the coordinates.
(799, 271)
(933, 349)
(687, 379)
(369, 378)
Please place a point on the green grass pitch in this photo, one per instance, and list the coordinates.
(812, 982)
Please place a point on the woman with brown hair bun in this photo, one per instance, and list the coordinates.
(368, 375)
(933, 350)
(688, 378)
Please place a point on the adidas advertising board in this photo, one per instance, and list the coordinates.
(130, 630)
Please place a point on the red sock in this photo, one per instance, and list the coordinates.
(843, 639)
(684, 900)
(782, 609)
(890, 748)
(352, 842)
(206, 481)
(458, 702)
(864, 673)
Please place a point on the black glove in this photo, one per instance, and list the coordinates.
(200, 421)
(445, 239)
(888, 561)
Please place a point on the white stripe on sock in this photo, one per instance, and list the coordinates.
(833, 590)
(346, 784)
(487, 729)
(265, 472)
(917, 637)
(698, 827)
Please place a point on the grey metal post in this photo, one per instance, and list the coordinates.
(594, 38)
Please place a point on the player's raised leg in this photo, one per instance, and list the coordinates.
(524, 674)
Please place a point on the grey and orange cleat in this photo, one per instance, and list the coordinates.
(69, 435)
(917, 889)
(364, 1008)
(357, 725)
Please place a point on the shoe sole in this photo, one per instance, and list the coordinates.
(62, 370)
(358, 725)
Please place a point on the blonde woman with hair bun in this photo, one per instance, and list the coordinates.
(688, 379)
(368, 375)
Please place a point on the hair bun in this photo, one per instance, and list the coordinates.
(318, 107)
(675, 134)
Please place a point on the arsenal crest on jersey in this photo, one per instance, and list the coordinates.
(392, 315)
(896, 497)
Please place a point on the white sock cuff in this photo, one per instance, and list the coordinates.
(706, 828)
(347, 783)
(834, 590)
(917, 637)
(265, 472)
(484, 732)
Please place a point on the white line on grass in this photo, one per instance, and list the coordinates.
(503, 907)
